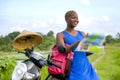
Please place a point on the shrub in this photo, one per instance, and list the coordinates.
(6, 67)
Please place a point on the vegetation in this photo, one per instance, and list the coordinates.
(48, 41)
(6, 68)
(107, 67)
(8, 55)
(6, 46)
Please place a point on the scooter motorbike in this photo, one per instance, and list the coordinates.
(29, 69)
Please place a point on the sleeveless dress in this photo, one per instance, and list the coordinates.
(81, 68)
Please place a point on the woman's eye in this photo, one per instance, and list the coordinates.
(74, 18)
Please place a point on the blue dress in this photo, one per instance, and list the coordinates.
(81, 69)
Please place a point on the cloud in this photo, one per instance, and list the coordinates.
(85, 21)
(42, 25)
(17, 28)
(85, 2)
(88, 24)
(95, 24)
(51, 21)
(60, 20)
(106, 18)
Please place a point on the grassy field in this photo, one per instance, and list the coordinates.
(19, 56)
(108, 67)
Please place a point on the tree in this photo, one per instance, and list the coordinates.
(13, 34)
(117, 39)
(118, 35)
(47, 42)
(5, 43)
(50, 33)
(109, 39)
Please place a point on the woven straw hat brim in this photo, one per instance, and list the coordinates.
(27, 40)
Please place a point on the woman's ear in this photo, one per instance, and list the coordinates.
(66, 19)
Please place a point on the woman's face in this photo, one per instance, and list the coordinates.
(72, 19)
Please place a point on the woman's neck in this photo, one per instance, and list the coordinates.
(70, 28)
(71, 31)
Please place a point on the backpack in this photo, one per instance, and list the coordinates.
(61, 59)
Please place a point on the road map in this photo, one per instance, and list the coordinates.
(93, 43)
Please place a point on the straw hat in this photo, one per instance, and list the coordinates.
(26, 40)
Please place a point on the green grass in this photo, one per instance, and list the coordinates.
(93, 57)
(44, 73)
(18, 56)
(108, 68)
(21, 56)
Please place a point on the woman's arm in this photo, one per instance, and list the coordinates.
(61, 45)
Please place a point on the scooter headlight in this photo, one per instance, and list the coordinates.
(19, 71)
(28, 76)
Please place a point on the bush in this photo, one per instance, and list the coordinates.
(6, 67)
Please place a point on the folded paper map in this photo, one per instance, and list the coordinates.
(93, 43)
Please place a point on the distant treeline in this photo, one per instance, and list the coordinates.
(47, 43)
(113, 41)
(6, 41)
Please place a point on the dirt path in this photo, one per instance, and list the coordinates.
(99, 58)
(103, 54)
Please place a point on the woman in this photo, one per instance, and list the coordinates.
(81, 69)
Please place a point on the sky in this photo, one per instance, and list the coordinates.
(95, 16)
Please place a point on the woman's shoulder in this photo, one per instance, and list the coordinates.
(59, 34)
(82, 32)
